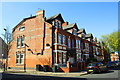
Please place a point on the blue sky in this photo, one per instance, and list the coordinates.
(99, 18)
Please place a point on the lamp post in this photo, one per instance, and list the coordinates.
(6, 36)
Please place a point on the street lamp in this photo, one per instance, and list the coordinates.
(6, 36)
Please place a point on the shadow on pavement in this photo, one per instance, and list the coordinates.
(110, 71)
(116, 68)
(8, 76)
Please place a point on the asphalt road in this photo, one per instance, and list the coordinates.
(110, 74)
(113, 74)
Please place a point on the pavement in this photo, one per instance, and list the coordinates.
(57, 74)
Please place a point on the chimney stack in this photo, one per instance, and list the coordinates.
(40, 13)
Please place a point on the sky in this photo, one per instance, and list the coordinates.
(98, 18)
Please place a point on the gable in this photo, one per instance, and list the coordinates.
(58, 17)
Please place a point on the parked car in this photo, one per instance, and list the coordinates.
(96, 67)
(111, 64)
(117, 63)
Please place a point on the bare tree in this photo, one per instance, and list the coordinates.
(7, 35)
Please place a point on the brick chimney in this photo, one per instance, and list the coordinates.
(65, 24)
(40, 13)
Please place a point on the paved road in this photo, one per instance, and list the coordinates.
(111, 75)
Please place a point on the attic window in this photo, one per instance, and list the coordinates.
(74, 31)
(21, 28)
(47, 44)
(58, 24)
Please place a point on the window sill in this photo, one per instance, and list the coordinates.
(20, 47)
(19, 64)
(59, 44)
(23, 46)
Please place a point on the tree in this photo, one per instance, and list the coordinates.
(7, 35)
(111, 41)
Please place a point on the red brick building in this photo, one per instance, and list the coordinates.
(38, 40)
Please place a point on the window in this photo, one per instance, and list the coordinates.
(83, 45)
(74, 31)
(59, 38)
(73, 43)
(83, 35)
(60, 58)
(18, 42)
(21, 28)
(19, 58)
(22, 42)
(77, 43)
(87, 46)
(64, 39)
(58, 24)
(69, 43)
(64, 57)
(78, 57)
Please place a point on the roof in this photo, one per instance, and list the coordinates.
(89, 35)
(54, 17)
(69, 26)
(70, 30)
(23, 21)
(82, 30)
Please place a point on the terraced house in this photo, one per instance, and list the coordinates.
(40, 42)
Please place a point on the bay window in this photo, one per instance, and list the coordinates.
(64, 39)
(69, 43)
(59, 38)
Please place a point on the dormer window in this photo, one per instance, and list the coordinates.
(58, 24)
(83, 35)
(21, 28)
(74, 31)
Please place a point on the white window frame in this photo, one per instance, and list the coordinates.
(23, 41)
(59, 38)
(22, 28)
(18, 42)
(19, 58)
